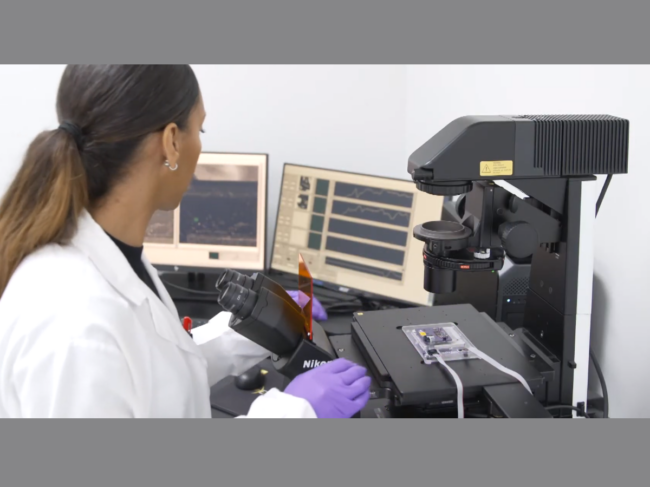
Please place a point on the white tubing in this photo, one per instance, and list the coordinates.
(503, 369)
(459, 385)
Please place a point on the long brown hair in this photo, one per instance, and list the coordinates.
(105, 112)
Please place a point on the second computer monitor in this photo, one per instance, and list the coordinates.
(221, 221)
(354, 231)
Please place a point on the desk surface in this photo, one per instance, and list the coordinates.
(218, 414)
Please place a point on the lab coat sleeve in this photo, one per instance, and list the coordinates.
(74, 377)
(276, 404)
(226, 351)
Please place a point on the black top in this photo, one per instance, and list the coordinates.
(134, 257)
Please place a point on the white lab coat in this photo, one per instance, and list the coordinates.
(82, 336)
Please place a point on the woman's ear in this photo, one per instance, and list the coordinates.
(170, 143)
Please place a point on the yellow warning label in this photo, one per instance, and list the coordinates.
(496, 168)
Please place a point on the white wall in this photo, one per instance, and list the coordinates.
(27, 107)
(439, 94)
(340, 117)
(369, 118)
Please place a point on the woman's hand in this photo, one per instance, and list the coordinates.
(338, 389)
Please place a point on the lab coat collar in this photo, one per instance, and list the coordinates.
(109, 260)
(111, 263)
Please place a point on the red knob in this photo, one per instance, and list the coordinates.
(187, 324)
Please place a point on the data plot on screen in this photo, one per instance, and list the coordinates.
(371, 213)
(368, 232)
(368, 251)
(375, 195)
(221, 220)
(359, 232)
(220, 207)
(366, 269)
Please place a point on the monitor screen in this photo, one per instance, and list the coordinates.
(221, 221)
(355, 231)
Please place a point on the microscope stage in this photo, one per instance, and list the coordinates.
(396, 365)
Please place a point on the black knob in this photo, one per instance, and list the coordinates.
(519, 239)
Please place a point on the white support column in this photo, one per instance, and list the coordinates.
(585, 289)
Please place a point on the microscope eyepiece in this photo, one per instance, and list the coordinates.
(237, 299)
(235, 277)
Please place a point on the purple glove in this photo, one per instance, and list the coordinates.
(317, 310)
(338, 389)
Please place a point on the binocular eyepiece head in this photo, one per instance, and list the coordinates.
(236, 293)
(234, 277)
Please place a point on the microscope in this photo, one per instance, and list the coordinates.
(526, 188)
(263, 312)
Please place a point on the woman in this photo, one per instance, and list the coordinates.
(86, 327)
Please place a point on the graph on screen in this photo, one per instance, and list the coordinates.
(376, 195)
(371, 213)
(354, 230)
(220, 221)
(220, 213)
(361, 228)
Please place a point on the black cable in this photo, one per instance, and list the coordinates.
(331, 301)
(573, 408)
(347, 308)
(603, 192)
(334, 296)
(601, 378)
(337, 302)
(189, 290)
(343, 305)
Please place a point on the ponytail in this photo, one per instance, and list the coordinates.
(44, 202)
(106, 112)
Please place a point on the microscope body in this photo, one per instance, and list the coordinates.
(308, 355)
(263, 312)
(527, 189)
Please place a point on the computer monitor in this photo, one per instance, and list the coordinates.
(355, 231)
(221, 221)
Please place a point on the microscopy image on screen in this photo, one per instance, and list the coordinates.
(220, 207)
(161, 228)
(303, 201)
(305, 184)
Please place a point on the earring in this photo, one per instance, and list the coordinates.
(170, 167)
